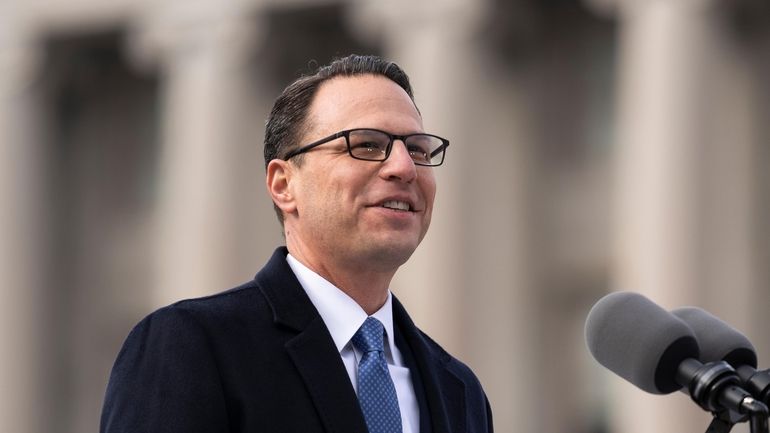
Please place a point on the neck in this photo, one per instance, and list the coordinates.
(368, 287)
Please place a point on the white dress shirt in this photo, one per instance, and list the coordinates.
(343, 316)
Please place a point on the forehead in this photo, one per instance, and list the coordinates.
(363, 101)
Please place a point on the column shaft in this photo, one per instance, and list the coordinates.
(201, 201)
(22, 247)
(664, 50)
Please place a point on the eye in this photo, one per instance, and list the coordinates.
(368, 144)
(418, 153)
(419, 147)
(368, 149)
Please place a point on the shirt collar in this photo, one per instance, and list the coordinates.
(341, 314)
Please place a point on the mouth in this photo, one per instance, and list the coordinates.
(397, 205)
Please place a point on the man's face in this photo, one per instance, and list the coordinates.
(349, 210)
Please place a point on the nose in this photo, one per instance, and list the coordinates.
(399, 165)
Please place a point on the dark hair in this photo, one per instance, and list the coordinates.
(288, 118)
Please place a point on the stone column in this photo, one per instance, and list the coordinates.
(733, 266)
(666, 50)
(469, 284)
(730, 266)
(23, 233)
(203, 50)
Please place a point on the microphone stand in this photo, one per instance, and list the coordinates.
(715, 387)
(722, 422)
(753, 410)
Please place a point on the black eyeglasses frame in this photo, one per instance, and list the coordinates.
(393, 137)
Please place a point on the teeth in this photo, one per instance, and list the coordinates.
(399, 205)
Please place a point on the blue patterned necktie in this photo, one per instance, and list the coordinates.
(376, 393)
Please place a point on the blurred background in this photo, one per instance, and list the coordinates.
(597, 145)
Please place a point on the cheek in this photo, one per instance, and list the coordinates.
(428, 188)
(337, 196)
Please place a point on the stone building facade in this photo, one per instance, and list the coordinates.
(597, 145)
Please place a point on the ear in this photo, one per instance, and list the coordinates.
(278, 181)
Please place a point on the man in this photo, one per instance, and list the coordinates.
(316, 342)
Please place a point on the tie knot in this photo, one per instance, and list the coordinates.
(369, 336)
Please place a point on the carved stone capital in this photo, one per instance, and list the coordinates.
(371, 20)
(178, 31)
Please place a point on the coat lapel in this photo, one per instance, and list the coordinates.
(444, 390)
(320, 366)
(312, 349)
(314, 354)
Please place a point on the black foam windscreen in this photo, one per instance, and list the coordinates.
(639, 341)
(717, 340)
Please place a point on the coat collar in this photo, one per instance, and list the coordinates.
(312, 349)
(319, 364)
(290, 305)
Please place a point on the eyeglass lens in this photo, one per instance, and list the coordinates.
(373, 145)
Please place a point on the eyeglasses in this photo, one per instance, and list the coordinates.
(374, 145)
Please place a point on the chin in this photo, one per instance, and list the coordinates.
(391, 255)
(403, 252)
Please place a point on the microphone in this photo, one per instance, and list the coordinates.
(658, 352)
(721, 342)
(639, 341)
